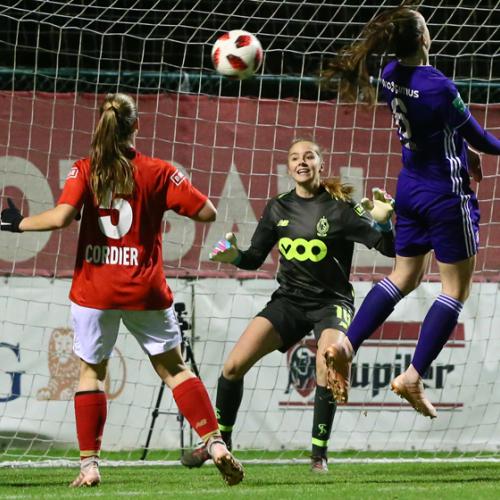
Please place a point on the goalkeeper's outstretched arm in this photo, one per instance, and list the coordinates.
(226, 250)
(264, 238)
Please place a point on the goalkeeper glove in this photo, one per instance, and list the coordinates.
(11, 218)
(381, 208)
(226, 250)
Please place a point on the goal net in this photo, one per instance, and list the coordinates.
(58, 60)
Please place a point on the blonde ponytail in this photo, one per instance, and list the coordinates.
(111, 170)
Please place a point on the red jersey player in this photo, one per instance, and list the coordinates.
(119, 276)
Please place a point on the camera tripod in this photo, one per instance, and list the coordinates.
(187, 352)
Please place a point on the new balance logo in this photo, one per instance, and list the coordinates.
(282, 223)
(201, 423)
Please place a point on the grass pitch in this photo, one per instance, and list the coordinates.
(344, 480)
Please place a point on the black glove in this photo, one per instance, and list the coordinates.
(11, 218)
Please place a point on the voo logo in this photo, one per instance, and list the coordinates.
(301, 249)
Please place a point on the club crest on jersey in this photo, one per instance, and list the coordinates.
(283, 223)
(459, 104)
(73, 173)
(322, 227)
(177, 177)
(358, 208)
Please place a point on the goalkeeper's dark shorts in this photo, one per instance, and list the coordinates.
(293, 322)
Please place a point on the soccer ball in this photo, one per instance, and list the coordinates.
(237, 54)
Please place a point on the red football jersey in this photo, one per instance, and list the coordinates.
(119, 258)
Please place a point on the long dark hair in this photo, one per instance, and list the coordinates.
(111, 170)
(396, 31)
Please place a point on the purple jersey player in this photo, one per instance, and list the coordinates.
(435, 206)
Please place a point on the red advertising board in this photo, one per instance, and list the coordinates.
(208, 137)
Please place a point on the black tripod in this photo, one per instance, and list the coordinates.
(187, 352)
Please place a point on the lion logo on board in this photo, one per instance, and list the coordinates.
(64, 370)
(301, 360)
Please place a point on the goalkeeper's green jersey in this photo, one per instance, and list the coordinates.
(315, 238)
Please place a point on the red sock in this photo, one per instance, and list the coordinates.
(90, 414)
(193, 402)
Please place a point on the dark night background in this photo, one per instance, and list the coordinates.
(68, 46)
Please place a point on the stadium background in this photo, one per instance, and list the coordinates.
(230, 138)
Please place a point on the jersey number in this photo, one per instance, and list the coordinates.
(124, 219)
(301, 249)
(343, 315)
(404, 130)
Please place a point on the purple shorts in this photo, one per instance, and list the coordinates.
(447, 223)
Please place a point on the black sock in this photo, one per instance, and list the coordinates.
(229, 396)
(324, 411)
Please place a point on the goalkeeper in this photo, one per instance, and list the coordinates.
(315, 226)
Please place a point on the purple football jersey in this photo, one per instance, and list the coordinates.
(427, 110)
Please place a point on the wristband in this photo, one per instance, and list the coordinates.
(383, 227)
(237, 260)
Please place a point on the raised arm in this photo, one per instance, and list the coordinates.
(263, 240)
(375, 231)
(479, 138)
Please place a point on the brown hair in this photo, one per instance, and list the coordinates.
(396, 30)
(332, 184)
(111, 171)
(336, 189)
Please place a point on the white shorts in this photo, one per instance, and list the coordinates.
(96, 330)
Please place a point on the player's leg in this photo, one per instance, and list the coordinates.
(437, 327)
(277, 327)
(412, 244)
(375, 309)
(258, 339)
(194, 403)
(90, 417)
(383, 297)
(95, 334)
(324, 404)
(159, 336)
(453, 221)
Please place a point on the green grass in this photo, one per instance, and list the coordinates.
(19, 454)
(360, 481)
